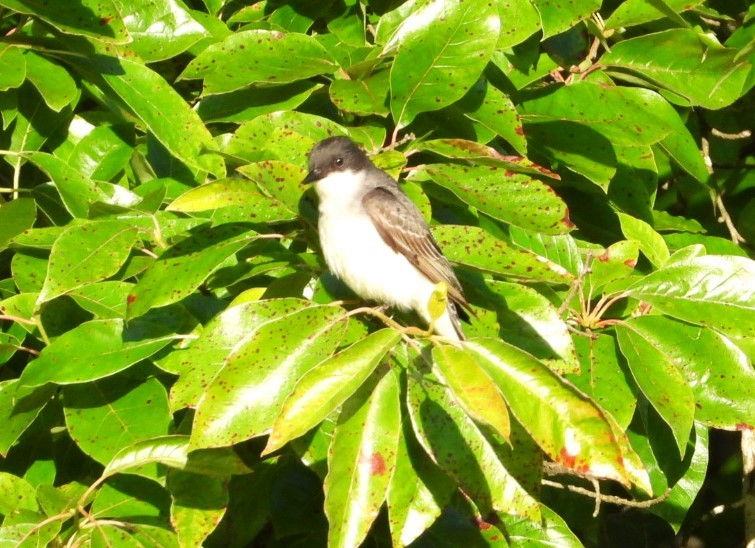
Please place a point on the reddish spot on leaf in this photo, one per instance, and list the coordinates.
(131, 299)
(603, 258)
(566, 458)
(105, 20)
(744, 426)
(631, 263)
(567, 220)
(377, 464)
(482, 525)
(519, 130)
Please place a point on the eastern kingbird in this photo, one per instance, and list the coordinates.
(375, 239)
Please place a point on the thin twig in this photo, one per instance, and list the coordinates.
(724, 217)
(718, 201)
(744, 134)
(610, 499)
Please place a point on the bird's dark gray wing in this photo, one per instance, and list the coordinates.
(402, 227)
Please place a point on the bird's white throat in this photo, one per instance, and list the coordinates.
(341, 190)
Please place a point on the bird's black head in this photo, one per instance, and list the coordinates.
(335, 154)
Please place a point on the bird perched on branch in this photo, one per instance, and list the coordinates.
(375, 239)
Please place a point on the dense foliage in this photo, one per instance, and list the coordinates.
(181, 369)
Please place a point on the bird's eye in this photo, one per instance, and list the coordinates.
(338, 162)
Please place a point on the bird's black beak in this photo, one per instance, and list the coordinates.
(312, 176)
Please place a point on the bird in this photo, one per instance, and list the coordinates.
(375, 239)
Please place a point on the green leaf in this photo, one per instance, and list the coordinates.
(198, 364)
(8, 107)
(634, 187)
(108, 415)
(473, 247)
(198, 504)
(16, 216)
(106, 300)
(162, 30)
(557, 17)
(324, 388)
(417, 493)
(563, 422)
(284, 136)
(279, 180)
(364, 96)
(103, 151)
(98, 19)
(551, 531)
(248, 393)
(477, 153)
(651, 243)
(77, 191)
(53, 81)
(182, 268)
(12, 67)
(713, 291)
(236, 197)
(26, 529)
(173, 451)
(577, 147)
(115, 499)
(603, 378)
(527, 319)
(16, 494)
(718, 373)
(682, 148)
(259, 56)
(509, 197)
(34, 124)
(560, 249)
(614, 264)
(87, 253)
(625, 116)
(684, 492)
(447, 49)
(163, 111)
(486, 104)
(461, 450)
(19, 407)
(246, 104)
(660, 381)
(361, 460)
(685, 63)
(91, 351)
(636, 12)
(473, 388)
(112, 533)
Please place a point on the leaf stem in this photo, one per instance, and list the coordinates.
(42, 332)
(63, 516)
(18, 319)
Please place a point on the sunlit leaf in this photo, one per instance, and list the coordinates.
(564, 423)
(446, 47)
(85, 254)
(248, 393)
(460, 449)
(325, 387)
(259, 56)
(361, 460)
(91, 351)
(715, 291)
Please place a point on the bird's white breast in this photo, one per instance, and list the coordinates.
(357, 254)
